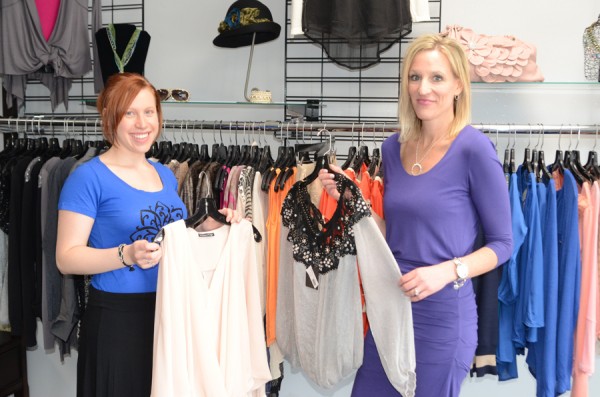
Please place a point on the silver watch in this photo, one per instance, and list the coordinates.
(462, 272)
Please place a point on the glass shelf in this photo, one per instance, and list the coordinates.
(540, 83)
(232, 103)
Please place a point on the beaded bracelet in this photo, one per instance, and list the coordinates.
(122, 257)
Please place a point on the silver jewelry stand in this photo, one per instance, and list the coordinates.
(249, 66)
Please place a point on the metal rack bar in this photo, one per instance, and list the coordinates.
(296, 129)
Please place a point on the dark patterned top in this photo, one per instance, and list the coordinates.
(317, 243)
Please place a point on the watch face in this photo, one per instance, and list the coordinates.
(462, 271)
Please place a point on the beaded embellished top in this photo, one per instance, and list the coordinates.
(317, 242)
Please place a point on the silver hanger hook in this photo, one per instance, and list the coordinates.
(595, 138)
(374, 132)
(303, 125)
(530, 132)
(187, 132)
(578, 135)
(253, 130)
(352, 137)
(362, 134)
(542, 135)
(538, 140)
(559, 136)
(328, 133)
(496, 143)
(204, 177)
(570, 136)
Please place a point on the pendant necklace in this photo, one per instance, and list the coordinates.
(121, 62)
(417, 167)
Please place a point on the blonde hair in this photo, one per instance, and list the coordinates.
(410, 124)
(116, 97)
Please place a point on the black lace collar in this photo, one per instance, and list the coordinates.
(317, 242)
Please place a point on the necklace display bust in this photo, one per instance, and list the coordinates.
(591, 48)
(122, 36)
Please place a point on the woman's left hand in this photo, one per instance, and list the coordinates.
(424, 281)
(232, 216)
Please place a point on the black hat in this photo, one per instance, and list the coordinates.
(243, 19)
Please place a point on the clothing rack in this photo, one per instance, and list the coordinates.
(365, 127)
(280, 130)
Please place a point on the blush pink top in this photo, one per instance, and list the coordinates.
(585, 334)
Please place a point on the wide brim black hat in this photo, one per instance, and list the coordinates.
(244, 19)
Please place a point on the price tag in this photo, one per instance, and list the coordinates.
(312, 281)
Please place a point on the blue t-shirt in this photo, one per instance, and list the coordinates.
(122, 214)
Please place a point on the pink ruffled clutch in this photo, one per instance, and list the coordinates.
(497, 59)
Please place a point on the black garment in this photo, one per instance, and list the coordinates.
(115, 350)
(15, 284)
(123, 32)
(30, 269)
(355, 33)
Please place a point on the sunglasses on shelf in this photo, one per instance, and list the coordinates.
(178, 94)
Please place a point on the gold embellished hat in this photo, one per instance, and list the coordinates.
(245, 19)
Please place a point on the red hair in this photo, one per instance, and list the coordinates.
(116, 97)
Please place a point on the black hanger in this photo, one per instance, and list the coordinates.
(351, 156)
(558, 164)
(255, 154)
(206, 207)
(214, 152)
(204, 156)
(362, 157)
(592, 164)
(571, 167)
(527, 164)
(195, 154)
(289, 165)
(375, 162)
(265, 160)
(153, 151)
(576, 163)
(321, 160)
(543, 172)
(271, 173)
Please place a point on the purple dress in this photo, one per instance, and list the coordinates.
(431, 218)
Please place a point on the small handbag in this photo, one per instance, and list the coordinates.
(496, 59)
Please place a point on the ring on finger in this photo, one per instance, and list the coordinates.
(416, 292)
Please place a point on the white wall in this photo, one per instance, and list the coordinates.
(182, 56)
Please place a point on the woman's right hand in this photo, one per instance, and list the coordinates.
(326, 179)
(143, 253)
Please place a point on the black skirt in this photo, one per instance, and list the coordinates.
(115, 347)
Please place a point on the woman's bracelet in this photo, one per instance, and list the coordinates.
(122, 257)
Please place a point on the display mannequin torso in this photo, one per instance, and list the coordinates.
(591, 48)
(123, 33)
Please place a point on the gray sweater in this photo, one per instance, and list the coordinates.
(24, 50)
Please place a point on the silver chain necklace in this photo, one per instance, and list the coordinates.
(417, 167)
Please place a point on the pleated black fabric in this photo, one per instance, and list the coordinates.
(115, 349)
(354, 33)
